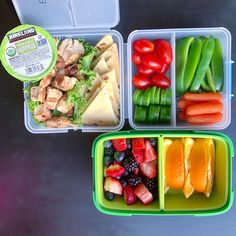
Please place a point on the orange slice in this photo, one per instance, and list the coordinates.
(209, 144)
(174, 165)
(188, 188)
(199, 165)
(166, 145)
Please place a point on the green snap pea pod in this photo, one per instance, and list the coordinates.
(204, 63)
(217, 66)
(204, 86)
(210, 80)
(182, 48)
(192, 62)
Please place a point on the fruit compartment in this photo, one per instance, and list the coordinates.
(118, 205)
(225, 39)
(132, 70)
(175, 201)
(93, 38)
(172, 35)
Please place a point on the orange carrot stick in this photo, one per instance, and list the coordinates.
(204, 108)
(205, 119)
(182, 116)
(182, 104)
(202, 97)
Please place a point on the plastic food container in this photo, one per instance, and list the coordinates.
(172, 35)
(87, 19)
(173, 202)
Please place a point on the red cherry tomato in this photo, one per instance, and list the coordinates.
(145, 70)
(152, 62)
(136, 58)
(161, 81)
(141, 81)
(143, 46)
(163, 50)
(165, 68)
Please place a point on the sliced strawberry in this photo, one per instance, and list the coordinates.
(149, 169)
(138, 155)
(138, 143)
(119, 144)
(143, 194)
(136, 170)
(150, 153)
(113, 185)
(115, 170)
(129, 195)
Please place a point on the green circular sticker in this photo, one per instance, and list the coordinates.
(28, 53)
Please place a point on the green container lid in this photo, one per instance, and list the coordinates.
(172, 202)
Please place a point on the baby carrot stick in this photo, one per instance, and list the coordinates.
(202, 97)
(205, 119)
(182, 104)
(204, 108)
(182, 116)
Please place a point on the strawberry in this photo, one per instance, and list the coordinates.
(150, 153)
(149, 169)
(138, 143)
(119, 144)
(113, 185)
(143, 194)
(138, 155)
(129, 195)
(115, 170)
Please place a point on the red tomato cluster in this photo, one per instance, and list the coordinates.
(153, 59)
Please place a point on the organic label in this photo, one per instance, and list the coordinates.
(28, 53)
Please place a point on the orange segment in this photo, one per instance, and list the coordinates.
(174, 165)
(198, 165)
(209, 144)
(166, 145)
(188, 188)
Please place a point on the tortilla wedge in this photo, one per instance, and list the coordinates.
(103, 44)
(113, 63)
(111, 76)
(101, 67)
(100, 111)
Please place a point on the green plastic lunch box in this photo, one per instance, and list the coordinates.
(173, 202)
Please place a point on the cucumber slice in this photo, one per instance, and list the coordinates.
(136, 95)
(152, 98)
(140, 114)
(168, 96)
(157, 96)
(154, 112)
(165, 114)
(163, 97)
(146, 97)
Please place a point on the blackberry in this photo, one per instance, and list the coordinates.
(134, 180)
(109, 151)
(130, 164)
(123, 182)
(128, 153)
(108, 160)
(128, 143)
(151, 185)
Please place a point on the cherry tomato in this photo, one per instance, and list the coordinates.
(163, 50)
(136, 58)
(165, 68)
(141, 81)
(143, 46)
(161, 81)
(152, 62)
(145, 70)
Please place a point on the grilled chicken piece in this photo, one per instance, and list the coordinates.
(42, 113)
(53, 96)
(64, 83)
(47, 80)
(38, 94)
(58, 122)
(60, 63)
(63, 106)
(70, 112)
(71, 50)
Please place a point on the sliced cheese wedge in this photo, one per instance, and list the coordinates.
(113, 63)
(104, 43)
(111, 76)
(100, 111)
(101, 67)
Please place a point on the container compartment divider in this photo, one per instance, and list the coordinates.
(173, 86)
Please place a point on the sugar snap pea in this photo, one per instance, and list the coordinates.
(204, 86)
(217, 66)
(192, 62)
(210, 80)
(204, 63)
(182, 48)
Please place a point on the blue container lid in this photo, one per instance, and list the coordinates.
(64, 14)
